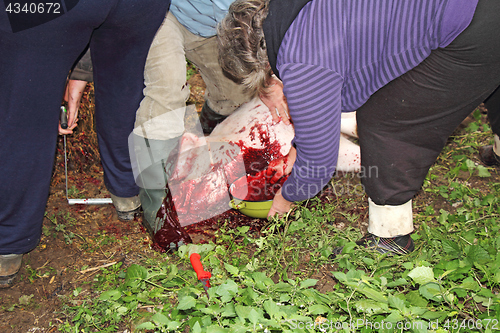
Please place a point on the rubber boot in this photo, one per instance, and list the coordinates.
(390, 221)
(152, 198)
(209, 119)
(127, 209)
(389, 230)
(9, 267)
(160, 217)
(153, 162)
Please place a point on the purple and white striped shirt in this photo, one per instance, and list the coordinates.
(337, 53)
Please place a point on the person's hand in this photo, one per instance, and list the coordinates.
(281, 166)
(275, 100)
(73, 95)
(280, 206)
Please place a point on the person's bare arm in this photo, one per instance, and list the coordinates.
(73, 95)
(275, 100)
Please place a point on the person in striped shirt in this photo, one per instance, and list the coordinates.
(413, 70)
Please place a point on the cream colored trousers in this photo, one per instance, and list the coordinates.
(161, 113)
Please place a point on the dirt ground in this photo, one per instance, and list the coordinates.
(78, 240)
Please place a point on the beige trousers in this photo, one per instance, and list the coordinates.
(161, 113)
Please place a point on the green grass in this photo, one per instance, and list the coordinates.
(190, 69)
(270, 283)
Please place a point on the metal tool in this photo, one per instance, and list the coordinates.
(203, 277)
(90, 201)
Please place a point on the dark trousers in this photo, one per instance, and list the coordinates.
(404, 126)
(492, 104)
(34, 64)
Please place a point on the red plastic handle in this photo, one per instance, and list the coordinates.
(198, 268)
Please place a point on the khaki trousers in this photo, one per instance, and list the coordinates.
(161, 113)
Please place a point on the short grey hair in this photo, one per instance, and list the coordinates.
(242, 46)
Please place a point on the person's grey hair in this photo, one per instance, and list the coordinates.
(242, 46)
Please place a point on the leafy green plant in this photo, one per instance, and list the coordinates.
(74, 192)
(190, 70)
(23, 301)
(61, 221)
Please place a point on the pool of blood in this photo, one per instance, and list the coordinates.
(171, 235)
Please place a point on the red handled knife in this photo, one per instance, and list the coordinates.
(203, 276)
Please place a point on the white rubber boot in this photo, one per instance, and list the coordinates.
(390, 221)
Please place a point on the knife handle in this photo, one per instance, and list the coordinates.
(198, 267)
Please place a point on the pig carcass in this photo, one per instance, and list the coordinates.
(245, 143)
(242, 144)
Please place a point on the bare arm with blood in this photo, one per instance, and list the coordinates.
(73, 95)
(282, 166)
(280, 206)
(275, 100)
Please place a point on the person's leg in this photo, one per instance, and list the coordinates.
(222, 96)
(161, 112)
(160, 118)
(154, 167)
(492, 104)
(119, 49)
(34, 64)
(404, 126)
(490, 154)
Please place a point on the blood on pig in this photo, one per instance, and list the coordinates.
(258, 187)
